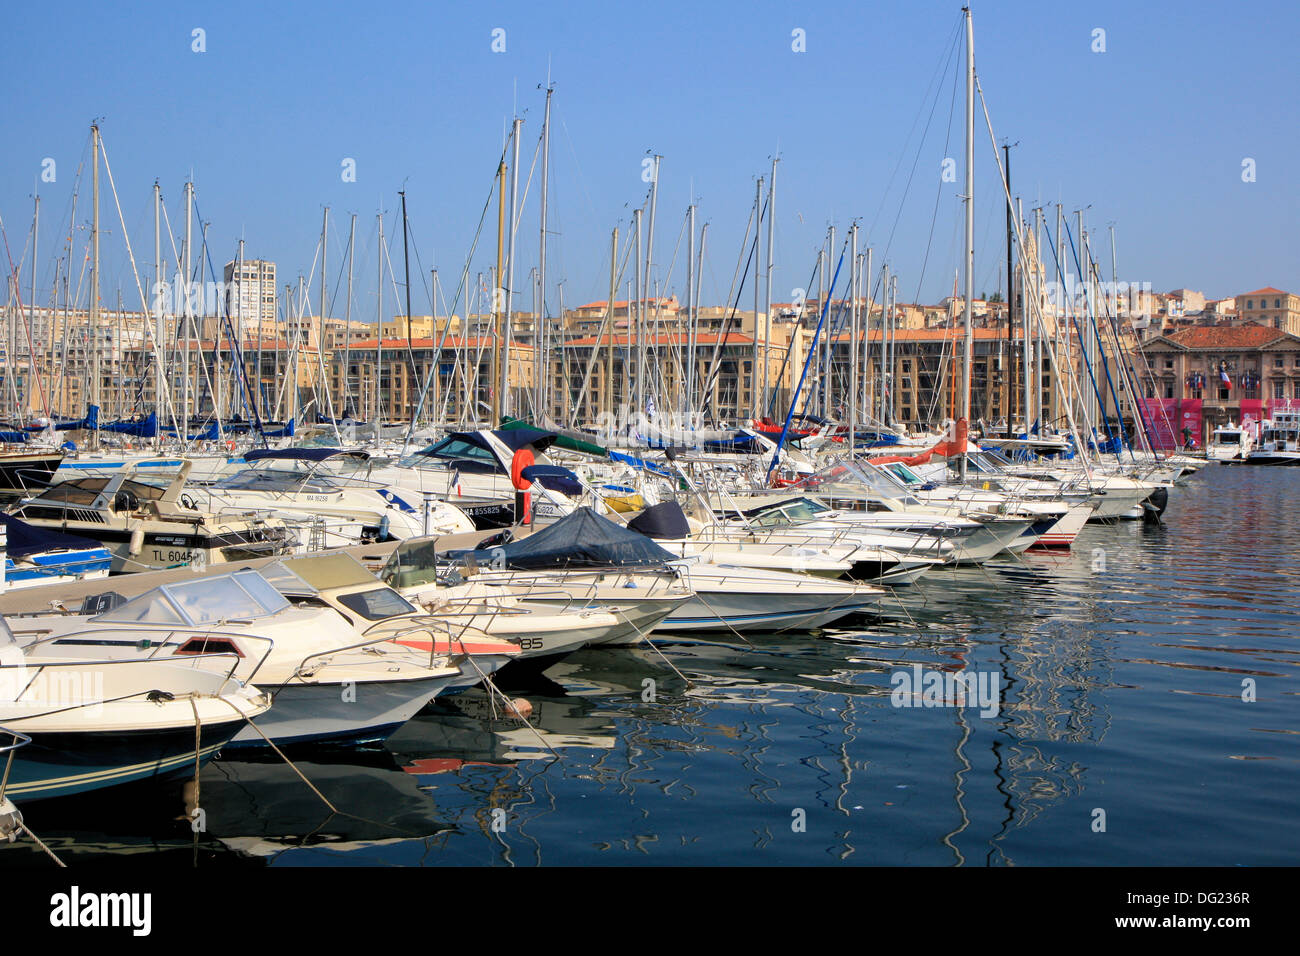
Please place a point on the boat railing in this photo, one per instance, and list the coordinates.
(166, 633)
(34, 670)
(531, 593)
(428, 622)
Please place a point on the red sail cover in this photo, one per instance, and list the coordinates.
(1161, 417)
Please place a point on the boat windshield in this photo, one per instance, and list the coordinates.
(904, 474)
(456, 452)
(377, 604)
(849, 480)
(242, 595)
(281, 476)
(413, 563)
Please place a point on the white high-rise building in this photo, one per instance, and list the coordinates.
(251, 296)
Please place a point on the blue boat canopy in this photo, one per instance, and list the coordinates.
(554, 478)
(302, 454)
(24, 539)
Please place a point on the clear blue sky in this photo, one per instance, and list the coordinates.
(1151, 133)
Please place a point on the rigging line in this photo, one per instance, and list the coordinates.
(136, 274)
(31, 348)
(716, 366)
(938, 195)
(936, 80)
(884, 257)
(600, 334)
(798, 321)
(237, 351)
(460, 287)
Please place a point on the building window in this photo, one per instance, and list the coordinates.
(1277, 303)
(1169, 391)
(1277, 361)
(1250, 303)
(1223, 394)
(1279, 389)
(1169, 363)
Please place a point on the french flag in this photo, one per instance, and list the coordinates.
(1225, 378)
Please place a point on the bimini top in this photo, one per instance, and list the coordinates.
(303, 454)
(582, 539)
(238, 596)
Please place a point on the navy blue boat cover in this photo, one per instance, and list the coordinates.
(664, 520)
(24, 539)
(582, 539)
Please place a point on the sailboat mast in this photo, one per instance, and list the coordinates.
(188, 316)
(93, 337)
(347, 319)
(688, 366)
(635, 301)
(854, 333)
(379, 339)
(644, 293)
(970, 228)
(322, 389)
(1010, 303)
(539, 338)
(33, 372)
(157, 317)
(756, 409)
(506, 404)
(498, 334)
(406, 272)
(768, 385)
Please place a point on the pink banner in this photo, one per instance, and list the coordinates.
(1161, 418)
(1252, 413)
(1189, 420)
(1252, 410)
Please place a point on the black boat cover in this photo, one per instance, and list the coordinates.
(664, 520)
(582, 539)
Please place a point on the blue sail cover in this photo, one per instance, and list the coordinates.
(582, 539)
(145, 429)
(14, 438)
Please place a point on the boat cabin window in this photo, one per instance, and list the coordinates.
(378, 604)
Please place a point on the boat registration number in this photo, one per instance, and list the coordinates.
(176, 556)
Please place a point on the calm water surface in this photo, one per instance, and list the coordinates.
(1121, 667)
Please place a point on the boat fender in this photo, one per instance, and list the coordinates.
(383, 528)
(523, 459)
(11, 820)
(519, 707)
(137, 539)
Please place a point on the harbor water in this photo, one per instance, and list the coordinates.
(1131, 702)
